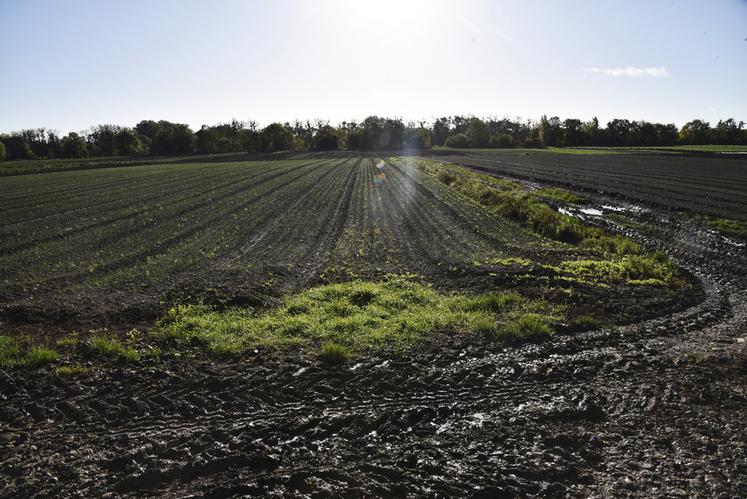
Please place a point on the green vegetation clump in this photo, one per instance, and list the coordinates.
(527, 327)
(654, 269)
(558, 195)
(495, 302)
(38, 356)
(586, 322)
(13, 353)
(334, 354)
(730, 226)
(10, 351)
(111, 348)
(392, 315)
(73, 370)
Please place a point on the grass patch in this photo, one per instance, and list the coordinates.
(10, 351)
(654, 269)
(38, 356)
(387, 316)
(334, 354)
(495, 302)
(15, 353)
(558, 195)
(111, 348)
(527, 327)
(73, 370)
(730, 226)
(586, 322)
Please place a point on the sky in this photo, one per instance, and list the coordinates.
(70, 65)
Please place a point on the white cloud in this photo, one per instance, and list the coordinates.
(630, 71)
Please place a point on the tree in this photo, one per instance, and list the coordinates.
(103, 139)
(618, 132)
(2, 151)
(696, 132)
(550, 132)
(276, 137)
(572, 133)
(592, 133)
(441, 131)
(416, 138)
(478, 132)
(327, 138)
(458, 140)
(728, 132)
(74, 146)
(502, 140)
(128, 142)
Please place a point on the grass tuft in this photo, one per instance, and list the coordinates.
(528, 327)
(495, 302)
(73, 370)
(111, 348)
(334, 354)
(38, 356)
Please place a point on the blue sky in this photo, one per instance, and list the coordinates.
(69, 65)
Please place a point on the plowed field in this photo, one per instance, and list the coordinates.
(648, 401)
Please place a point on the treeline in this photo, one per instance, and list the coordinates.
(163, 138)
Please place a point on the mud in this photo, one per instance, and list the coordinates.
(653, 409)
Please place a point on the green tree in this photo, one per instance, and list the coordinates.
(550, 131)
(276, 137)
(696, 132)
(2, 151)
(478, 132)
(441, 131)
(74, 146)
(327, 138)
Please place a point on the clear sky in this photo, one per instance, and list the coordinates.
(69, 65)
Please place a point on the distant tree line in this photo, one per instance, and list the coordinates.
(163, 138)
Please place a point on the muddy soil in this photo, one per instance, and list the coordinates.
(653, 409)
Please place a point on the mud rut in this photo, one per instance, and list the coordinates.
(652, 409)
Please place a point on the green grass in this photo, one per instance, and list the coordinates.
(16, 353)
(387, 316)
(106, 347)
(730, 226)
(527, 209)
(527, 327)
(653, 269)
(586, 322)
(334, 354)
(558, 195)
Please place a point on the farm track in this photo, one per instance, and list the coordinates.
(714, 186)
(654, 408)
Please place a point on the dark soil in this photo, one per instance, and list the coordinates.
(652, 409)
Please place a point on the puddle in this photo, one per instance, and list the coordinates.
(591, 211)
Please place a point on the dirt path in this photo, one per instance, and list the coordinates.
(652, 409)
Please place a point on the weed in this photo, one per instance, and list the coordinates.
(10, 350)
(73, 370)
(586, 322)
(38, 356)
(111, 348)
(729, 226)
(528, 327)
(334, 354)
(495, 302)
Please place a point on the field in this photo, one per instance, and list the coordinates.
(453, 323)
(708, 185)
